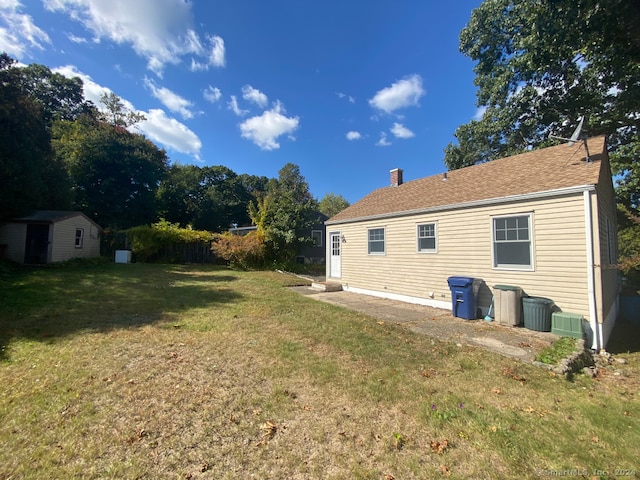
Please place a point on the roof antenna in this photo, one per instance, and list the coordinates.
(575, 136)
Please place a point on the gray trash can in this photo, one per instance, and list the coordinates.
(507, 304)
(537, 313)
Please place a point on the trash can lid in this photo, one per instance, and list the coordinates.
(460, 281)
(506, 287)
(541, 300)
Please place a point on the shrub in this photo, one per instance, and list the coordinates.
(243, 252)
(166, 242)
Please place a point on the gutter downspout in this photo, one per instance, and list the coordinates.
(596, 342)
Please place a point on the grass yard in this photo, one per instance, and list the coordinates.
(193, 372)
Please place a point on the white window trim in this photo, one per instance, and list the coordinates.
(519, 268)
(81, 238)
(321, 243)
(435, 236)
(384, 241)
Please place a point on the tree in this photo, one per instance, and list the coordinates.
(30, 178)
(208, 198)
(115, 173)
(284, 213)
(541, 65)
(332, 204)
(116, 113)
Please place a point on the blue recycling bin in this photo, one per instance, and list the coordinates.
(463, 302)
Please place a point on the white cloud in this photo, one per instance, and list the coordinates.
(217, 56)
(353, 135)
(254, 95)
(212, 94)
(264, 130)
(76, 39)
(383, 142)
(171, 100)
(18, 33)
(158, 30)
(233, 106)
(400, 131)
(170, 133)
(348, 97)
(161, 129)
(403, 93)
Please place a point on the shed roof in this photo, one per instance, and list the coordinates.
(51, 216)
(544, 170)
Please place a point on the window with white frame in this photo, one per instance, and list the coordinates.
(376, 241)
(316, 236)
(512, 245)
(427, 237)
(79, 237)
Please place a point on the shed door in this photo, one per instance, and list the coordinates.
(335, 263)
(36, 250)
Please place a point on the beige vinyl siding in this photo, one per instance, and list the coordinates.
(464, 239)
(64, 236)
(14, 235)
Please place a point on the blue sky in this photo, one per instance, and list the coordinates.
(346, 90)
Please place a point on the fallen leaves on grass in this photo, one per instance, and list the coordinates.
(269, 429)
(428, 373)
(139, 435)
(445, 470)
(508, 372)
(439, 447)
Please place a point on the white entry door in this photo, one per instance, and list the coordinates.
(335, 245)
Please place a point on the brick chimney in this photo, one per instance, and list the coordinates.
(396, 177)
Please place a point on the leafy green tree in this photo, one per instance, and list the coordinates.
(115, 173)
(332, 204)
(284, 213)
(542, 64)
(116, 113)
(60, 97)
(207, 198)
(30, 178)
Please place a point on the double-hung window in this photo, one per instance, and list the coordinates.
(512, 242)
(316, 236)
(427, 237)
(79, 237)
(376, 241)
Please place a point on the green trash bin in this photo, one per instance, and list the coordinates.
(537, 313)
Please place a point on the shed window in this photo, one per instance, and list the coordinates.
(79, 237)
(427, 237)
(512, 246)
(316, 236)
(376, 241)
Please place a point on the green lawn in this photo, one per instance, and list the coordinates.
(190, 372)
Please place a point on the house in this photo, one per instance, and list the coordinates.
(544, 220)
(48, 236)
(313, 253)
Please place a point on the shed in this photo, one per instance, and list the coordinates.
(543, 220)
(47, 236)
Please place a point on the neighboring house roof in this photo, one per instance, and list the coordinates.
(51, 216)
(544, 170)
